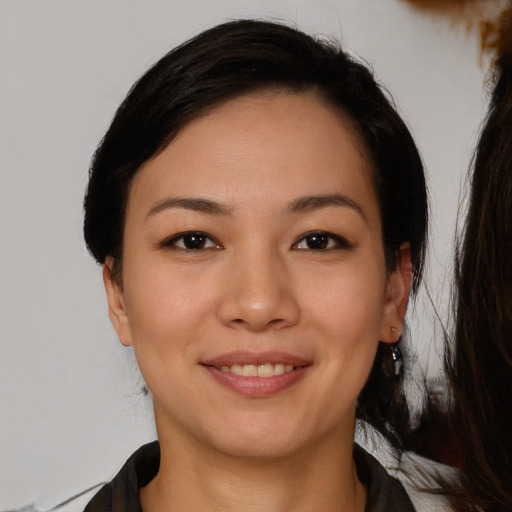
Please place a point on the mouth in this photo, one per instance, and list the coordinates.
(257, 375)
(265, 370)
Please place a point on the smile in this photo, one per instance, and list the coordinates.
(254, 375)
(261, 370)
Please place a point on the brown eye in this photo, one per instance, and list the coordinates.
(192, 241)
(321, 241)
(317, 241)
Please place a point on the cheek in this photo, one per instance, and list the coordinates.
(347, 310)
(348, 300)
(166, 314)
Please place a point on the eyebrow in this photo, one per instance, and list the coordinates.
(190, 203)
(315, 202)
(299, 205)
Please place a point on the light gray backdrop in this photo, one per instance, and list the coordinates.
(71, 409)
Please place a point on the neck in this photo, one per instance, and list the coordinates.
(320, 477)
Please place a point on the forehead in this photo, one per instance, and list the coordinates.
(261, 146)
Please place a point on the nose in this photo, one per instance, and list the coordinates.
(259, 294)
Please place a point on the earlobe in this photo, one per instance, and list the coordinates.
(397, 297)
(116, 306)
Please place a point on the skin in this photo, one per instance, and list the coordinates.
(257, 286)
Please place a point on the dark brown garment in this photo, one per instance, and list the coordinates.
(384, 493)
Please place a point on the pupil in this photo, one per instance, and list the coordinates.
(194, 241)
(317, 241)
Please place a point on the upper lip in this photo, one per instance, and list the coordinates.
(256, 358)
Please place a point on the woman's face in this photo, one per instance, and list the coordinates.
(254, 288)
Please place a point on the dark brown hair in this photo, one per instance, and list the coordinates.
(479, 364)
(238, 58)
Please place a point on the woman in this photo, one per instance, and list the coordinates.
(259, 209)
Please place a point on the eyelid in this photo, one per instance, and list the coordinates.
(171, 242)
(340, 241)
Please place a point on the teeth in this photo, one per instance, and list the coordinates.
(250, 370)
(265, 370)
(279, 369)
(237, 369)
(260, 370)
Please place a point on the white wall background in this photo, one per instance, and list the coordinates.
(71, 406)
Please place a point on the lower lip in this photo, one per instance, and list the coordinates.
(257, 386)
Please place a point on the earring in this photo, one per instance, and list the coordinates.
(392, 365)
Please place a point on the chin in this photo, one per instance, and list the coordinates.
(260, 440)
(252, 447)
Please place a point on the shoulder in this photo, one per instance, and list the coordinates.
(383, 491)
(418, 476)
(122, 493)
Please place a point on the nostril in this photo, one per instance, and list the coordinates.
(257, 324)
(244, 309)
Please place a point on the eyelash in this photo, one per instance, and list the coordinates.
(172, 242)
(333, 241)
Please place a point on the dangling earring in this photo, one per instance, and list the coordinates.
(392, 365)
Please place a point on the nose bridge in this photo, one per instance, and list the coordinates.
(259, 294)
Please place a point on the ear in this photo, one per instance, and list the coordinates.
(116, 306)
(397, 296)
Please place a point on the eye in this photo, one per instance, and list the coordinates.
(321, 241)
(192, 241)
